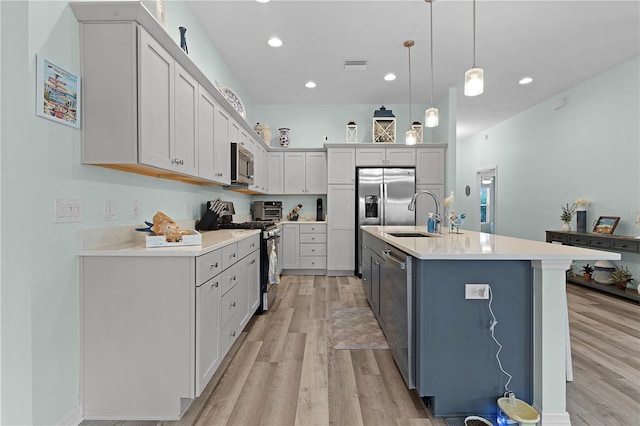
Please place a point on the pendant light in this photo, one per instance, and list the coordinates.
(410, 136)
(431, 114)
(474, 77)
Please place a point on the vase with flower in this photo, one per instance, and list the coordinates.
(567, 214)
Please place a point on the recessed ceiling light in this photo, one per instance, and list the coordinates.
(263, 1)
(525, 80)
(310, 84)
(390, 77)
(274, 42)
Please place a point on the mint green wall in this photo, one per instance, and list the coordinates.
(310, 124)
(589, 148)
(40, 161)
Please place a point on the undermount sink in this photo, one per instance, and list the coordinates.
(408, 234)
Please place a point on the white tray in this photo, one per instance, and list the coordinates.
(194, 238)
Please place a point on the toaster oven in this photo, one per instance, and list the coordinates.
(267, 210)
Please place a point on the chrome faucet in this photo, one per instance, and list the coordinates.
(412, 207)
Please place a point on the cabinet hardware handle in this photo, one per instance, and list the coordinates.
(232, 304)
(253, 261)
(233, 255)
(376, 262)
(177, 161)
(364, 279)
(313, 250)
(214, 284)
(233, 278)
(232, 334)
(214, 265)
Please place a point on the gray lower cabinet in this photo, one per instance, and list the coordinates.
(154, 329)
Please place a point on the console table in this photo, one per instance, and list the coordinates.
(604, 242)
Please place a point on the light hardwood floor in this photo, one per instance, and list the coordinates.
(283, 370)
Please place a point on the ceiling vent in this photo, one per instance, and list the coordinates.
(355, 64)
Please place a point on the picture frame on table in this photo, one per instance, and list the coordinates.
(606, 224)
(57, 93)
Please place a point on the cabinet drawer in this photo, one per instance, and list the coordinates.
(228, 279)
(208, 266)
(229, 333)
(229, 255)
(313, 249)
(313, 238)
(313, 262)
(229, 304)
(577, 240)
(626, 245)
(248, 245)
(596, 242)
(313, 229)
(558, 237)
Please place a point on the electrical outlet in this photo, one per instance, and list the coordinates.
(135, 210)
(476, 291)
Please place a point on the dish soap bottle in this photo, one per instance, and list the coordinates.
(431, 224)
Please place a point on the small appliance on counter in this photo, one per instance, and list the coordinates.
(319, 210)
(267, 210)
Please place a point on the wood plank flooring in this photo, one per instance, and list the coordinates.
(284, 370)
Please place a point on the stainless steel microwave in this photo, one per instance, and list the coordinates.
(241, 164)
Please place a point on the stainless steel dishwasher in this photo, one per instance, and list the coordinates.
(397, 310)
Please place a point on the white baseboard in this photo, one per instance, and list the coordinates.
(74, 418)
(555, 419)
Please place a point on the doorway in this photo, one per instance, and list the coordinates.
(486, 183)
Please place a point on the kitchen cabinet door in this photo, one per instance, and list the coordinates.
(341, 166)
(430, 166)
(156, 102)
(208, 353)
(206, 135)
(290, 242)
(253, 282)
(243, 291)
(366, 272)
(400, 157)
(184, 155)
(275, 172)
(370, 156)
(222, 147)
(316, 173)
(294, 173)
(341, 234)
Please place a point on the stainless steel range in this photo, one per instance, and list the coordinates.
(268, 254)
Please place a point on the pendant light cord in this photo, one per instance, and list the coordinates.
(410, 122)
(474, 33)
(431, 48)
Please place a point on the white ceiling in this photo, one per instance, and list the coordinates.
(558, 43)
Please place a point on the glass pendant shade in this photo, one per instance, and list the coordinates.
(410, 137)
(431, 117)
(474, 82)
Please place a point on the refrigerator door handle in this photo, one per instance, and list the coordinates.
(383, 192)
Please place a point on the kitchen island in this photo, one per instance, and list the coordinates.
(447, 352)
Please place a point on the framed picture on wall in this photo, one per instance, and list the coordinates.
(57, 93)
(606, 224)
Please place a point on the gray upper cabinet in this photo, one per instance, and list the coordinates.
(147, 108)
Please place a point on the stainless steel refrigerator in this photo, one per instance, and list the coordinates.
(382, 197)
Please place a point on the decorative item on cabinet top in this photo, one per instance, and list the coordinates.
(384, 126)
(352, 132)
(264, 131)
(284, 136)
(183, 39)
(234, 100)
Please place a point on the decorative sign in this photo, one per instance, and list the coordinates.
(57, 93)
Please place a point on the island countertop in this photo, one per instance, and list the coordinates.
(470, 245)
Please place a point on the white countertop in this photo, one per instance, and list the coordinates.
(211, 240)
(470, 245)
